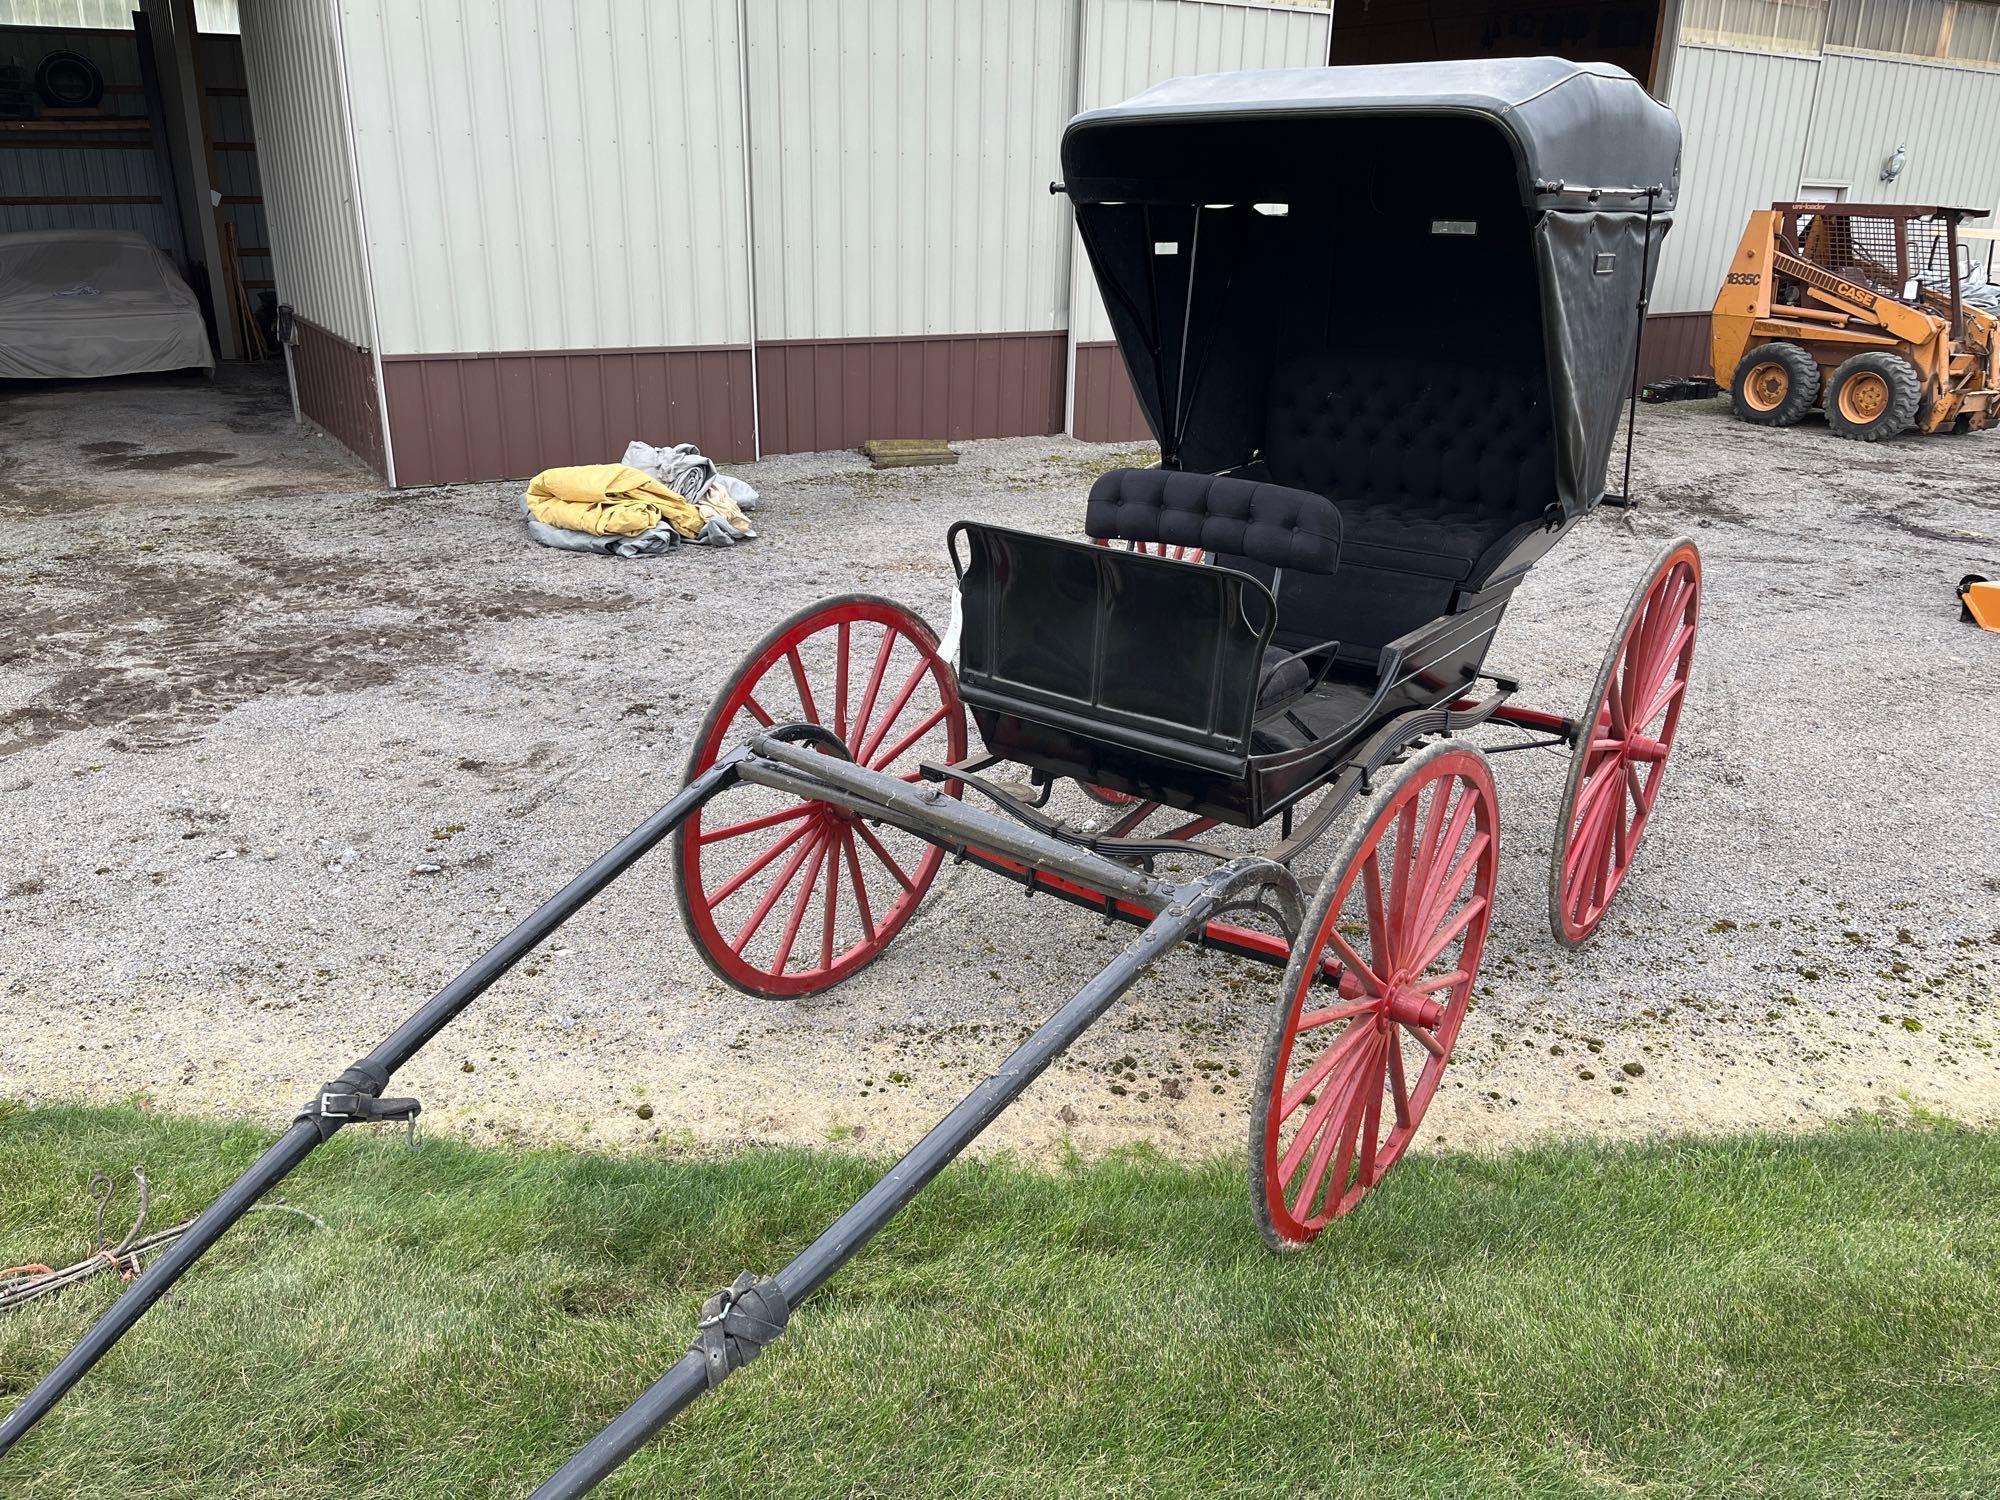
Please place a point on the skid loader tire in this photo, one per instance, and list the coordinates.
(1873, 396)
(1775, 385)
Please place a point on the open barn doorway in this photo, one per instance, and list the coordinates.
(1624, 32)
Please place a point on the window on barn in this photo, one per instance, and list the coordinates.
(1759, 25)
(1966, 32)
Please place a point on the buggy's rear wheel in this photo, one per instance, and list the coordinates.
(1375, 993)
(785, 897)
(1620, 751)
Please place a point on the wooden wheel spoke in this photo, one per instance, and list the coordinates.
(1589, 856)
(1441, 982)
(1353, 960)
(757, 711)
(1378, 922)
(840, 651)
(1399, 1088)
(1588, 820)
(1448, 934)
(805, 690)
(882, 654)
(925, 725)
(856, 884)
(888, 859)
(757, 824)
(798, 913)
(735, 882)
(1399, 884)
(756, 918)
(1336, 1109)
(1427, 844)
(1438, 894)
(894, 711)
(831, 908)
(1371, 1125)
(1321, 1068)
(1313, 1019)
(1426, 1038)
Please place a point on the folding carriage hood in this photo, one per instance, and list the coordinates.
(1508, 211)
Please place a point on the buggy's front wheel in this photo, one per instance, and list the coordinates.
(1619, 754)
(1375, 993)
(785, 897)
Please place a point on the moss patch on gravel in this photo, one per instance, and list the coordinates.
(1814, 1315)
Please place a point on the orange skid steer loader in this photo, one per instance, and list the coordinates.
(1859, 308)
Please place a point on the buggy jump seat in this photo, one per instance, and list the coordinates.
(1390, 491)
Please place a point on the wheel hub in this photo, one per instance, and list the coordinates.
(1766, 387)
(1865, 397)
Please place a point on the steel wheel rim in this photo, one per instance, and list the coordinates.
(1864, 396)
(1343, 1109)
(770, 895)
(1641, 691)
(1767, 387)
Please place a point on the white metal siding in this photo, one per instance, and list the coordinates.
(901, 152)
(295, 105)
(1129, 45)
(216, 17)
(556, 175)
(1947, 118)
(1744, 118)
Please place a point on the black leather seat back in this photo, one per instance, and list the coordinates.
(1274, 525)
(1437, 465)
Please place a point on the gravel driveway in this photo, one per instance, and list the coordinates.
(279, 752)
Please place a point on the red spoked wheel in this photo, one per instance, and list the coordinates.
(1375, 994)
(1620, 752)
(1157, 549)
(785, 897)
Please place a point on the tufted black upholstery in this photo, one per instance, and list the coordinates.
(1279, 527)
(1431, 460)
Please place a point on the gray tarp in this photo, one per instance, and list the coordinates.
(82, 303)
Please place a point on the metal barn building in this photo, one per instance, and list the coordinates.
(518, 233)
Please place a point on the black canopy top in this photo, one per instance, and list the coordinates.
(1309, 256)
(1578, 129)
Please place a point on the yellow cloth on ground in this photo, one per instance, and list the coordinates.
(608, 500)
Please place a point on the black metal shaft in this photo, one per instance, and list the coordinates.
(1639, 341)
(305, 1135)
(1189, 911)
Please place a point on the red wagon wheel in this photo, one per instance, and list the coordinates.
(1356, 1054)
(785, 897)
(1620, 753)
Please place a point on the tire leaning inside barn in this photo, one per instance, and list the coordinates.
(1873, 396)
(1775, 385)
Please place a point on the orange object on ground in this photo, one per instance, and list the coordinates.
(1979, 602)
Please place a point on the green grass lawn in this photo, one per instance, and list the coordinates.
(1767, 1316)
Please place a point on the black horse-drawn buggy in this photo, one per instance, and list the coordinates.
(1381, 321)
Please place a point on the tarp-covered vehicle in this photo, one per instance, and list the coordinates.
(78, 304)
(1381, 321)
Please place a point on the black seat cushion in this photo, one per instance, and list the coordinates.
(1278, 526)
(1430, 460)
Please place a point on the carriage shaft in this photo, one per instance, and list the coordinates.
(312, 1128)
(1189, 908)
(931, 814)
